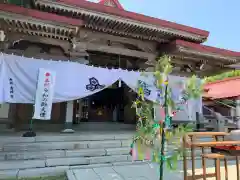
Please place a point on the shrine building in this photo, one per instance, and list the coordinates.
(223, 95)
(104, 34)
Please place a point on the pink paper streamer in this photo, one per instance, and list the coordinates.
(162, 112)
(134, 153)
(148, 154)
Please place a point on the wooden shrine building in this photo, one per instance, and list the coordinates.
(104, 34)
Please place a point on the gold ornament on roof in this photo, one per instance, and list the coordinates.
(110, 3)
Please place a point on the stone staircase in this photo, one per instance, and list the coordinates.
(50, 155)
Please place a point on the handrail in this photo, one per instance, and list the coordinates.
(226, 118)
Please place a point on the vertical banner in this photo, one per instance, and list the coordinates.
(44, 94)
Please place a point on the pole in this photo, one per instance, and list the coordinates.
(30, 133)
(197, 122)
(163, 134)
(31, 125)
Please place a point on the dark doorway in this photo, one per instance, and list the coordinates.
(104, 106)
(112, 104)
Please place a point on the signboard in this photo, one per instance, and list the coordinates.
(44, 94)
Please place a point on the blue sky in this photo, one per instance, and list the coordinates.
(220, 17)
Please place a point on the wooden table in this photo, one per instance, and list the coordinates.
(190, 142)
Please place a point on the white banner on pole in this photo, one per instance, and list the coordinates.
(44, 94)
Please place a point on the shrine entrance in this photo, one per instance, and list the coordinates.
(112, 104)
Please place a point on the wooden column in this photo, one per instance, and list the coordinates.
(12, 115)
(69, 118)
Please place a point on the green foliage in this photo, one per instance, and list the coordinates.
(194, 88)
(228, 102)
(235, 73)
(149, 130)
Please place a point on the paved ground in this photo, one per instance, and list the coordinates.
(129, 172)
(142, 172)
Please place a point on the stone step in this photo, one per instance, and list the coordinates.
(66, 138)
(55, 171)
(65, 142)
(31, 155)
(112, 157)
(40, 146)
(47, 150)
(67, 161)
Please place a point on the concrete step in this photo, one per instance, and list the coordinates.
(66, 137)
(31, 155)
(55, 171)
(37, 146)
(46, 154)
(66, 161)
(68, 158)
(31, 151)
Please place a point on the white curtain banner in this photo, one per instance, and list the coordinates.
(76, 81)
(73, 80)
(44, 94)
(2, 78)
(145, 80)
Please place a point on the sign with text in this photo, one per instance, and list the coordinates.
(44, 94)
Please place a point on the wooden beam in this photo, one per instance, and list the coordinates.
(223, 59)
(14, 37)
(81, 46)
(88, 35)
(114, 50)
(44, 56)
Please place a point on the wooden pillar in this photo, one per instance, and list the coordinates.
(80, 109)
(12, 116)
(69, 118)
(197, 121)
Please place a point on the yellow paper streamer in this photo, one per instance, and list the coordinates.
(140, 151)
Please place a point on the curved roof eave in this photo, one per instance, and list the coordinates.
(39, 14)
(220, 89)
(134, 16)
(205, 48)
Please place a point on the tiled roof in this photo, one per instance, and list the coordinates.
(226, 88)
(134, 16)
(39, 14)
(204, 48)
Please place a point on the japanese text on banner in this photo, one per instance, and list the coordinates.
(44, 94)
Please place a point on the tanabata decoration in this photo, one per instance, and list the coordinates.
(156, 136)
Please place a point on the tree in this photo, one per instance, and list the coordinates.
(153, 134)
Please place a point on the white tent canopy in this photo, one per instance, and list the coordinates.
(19, 77)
